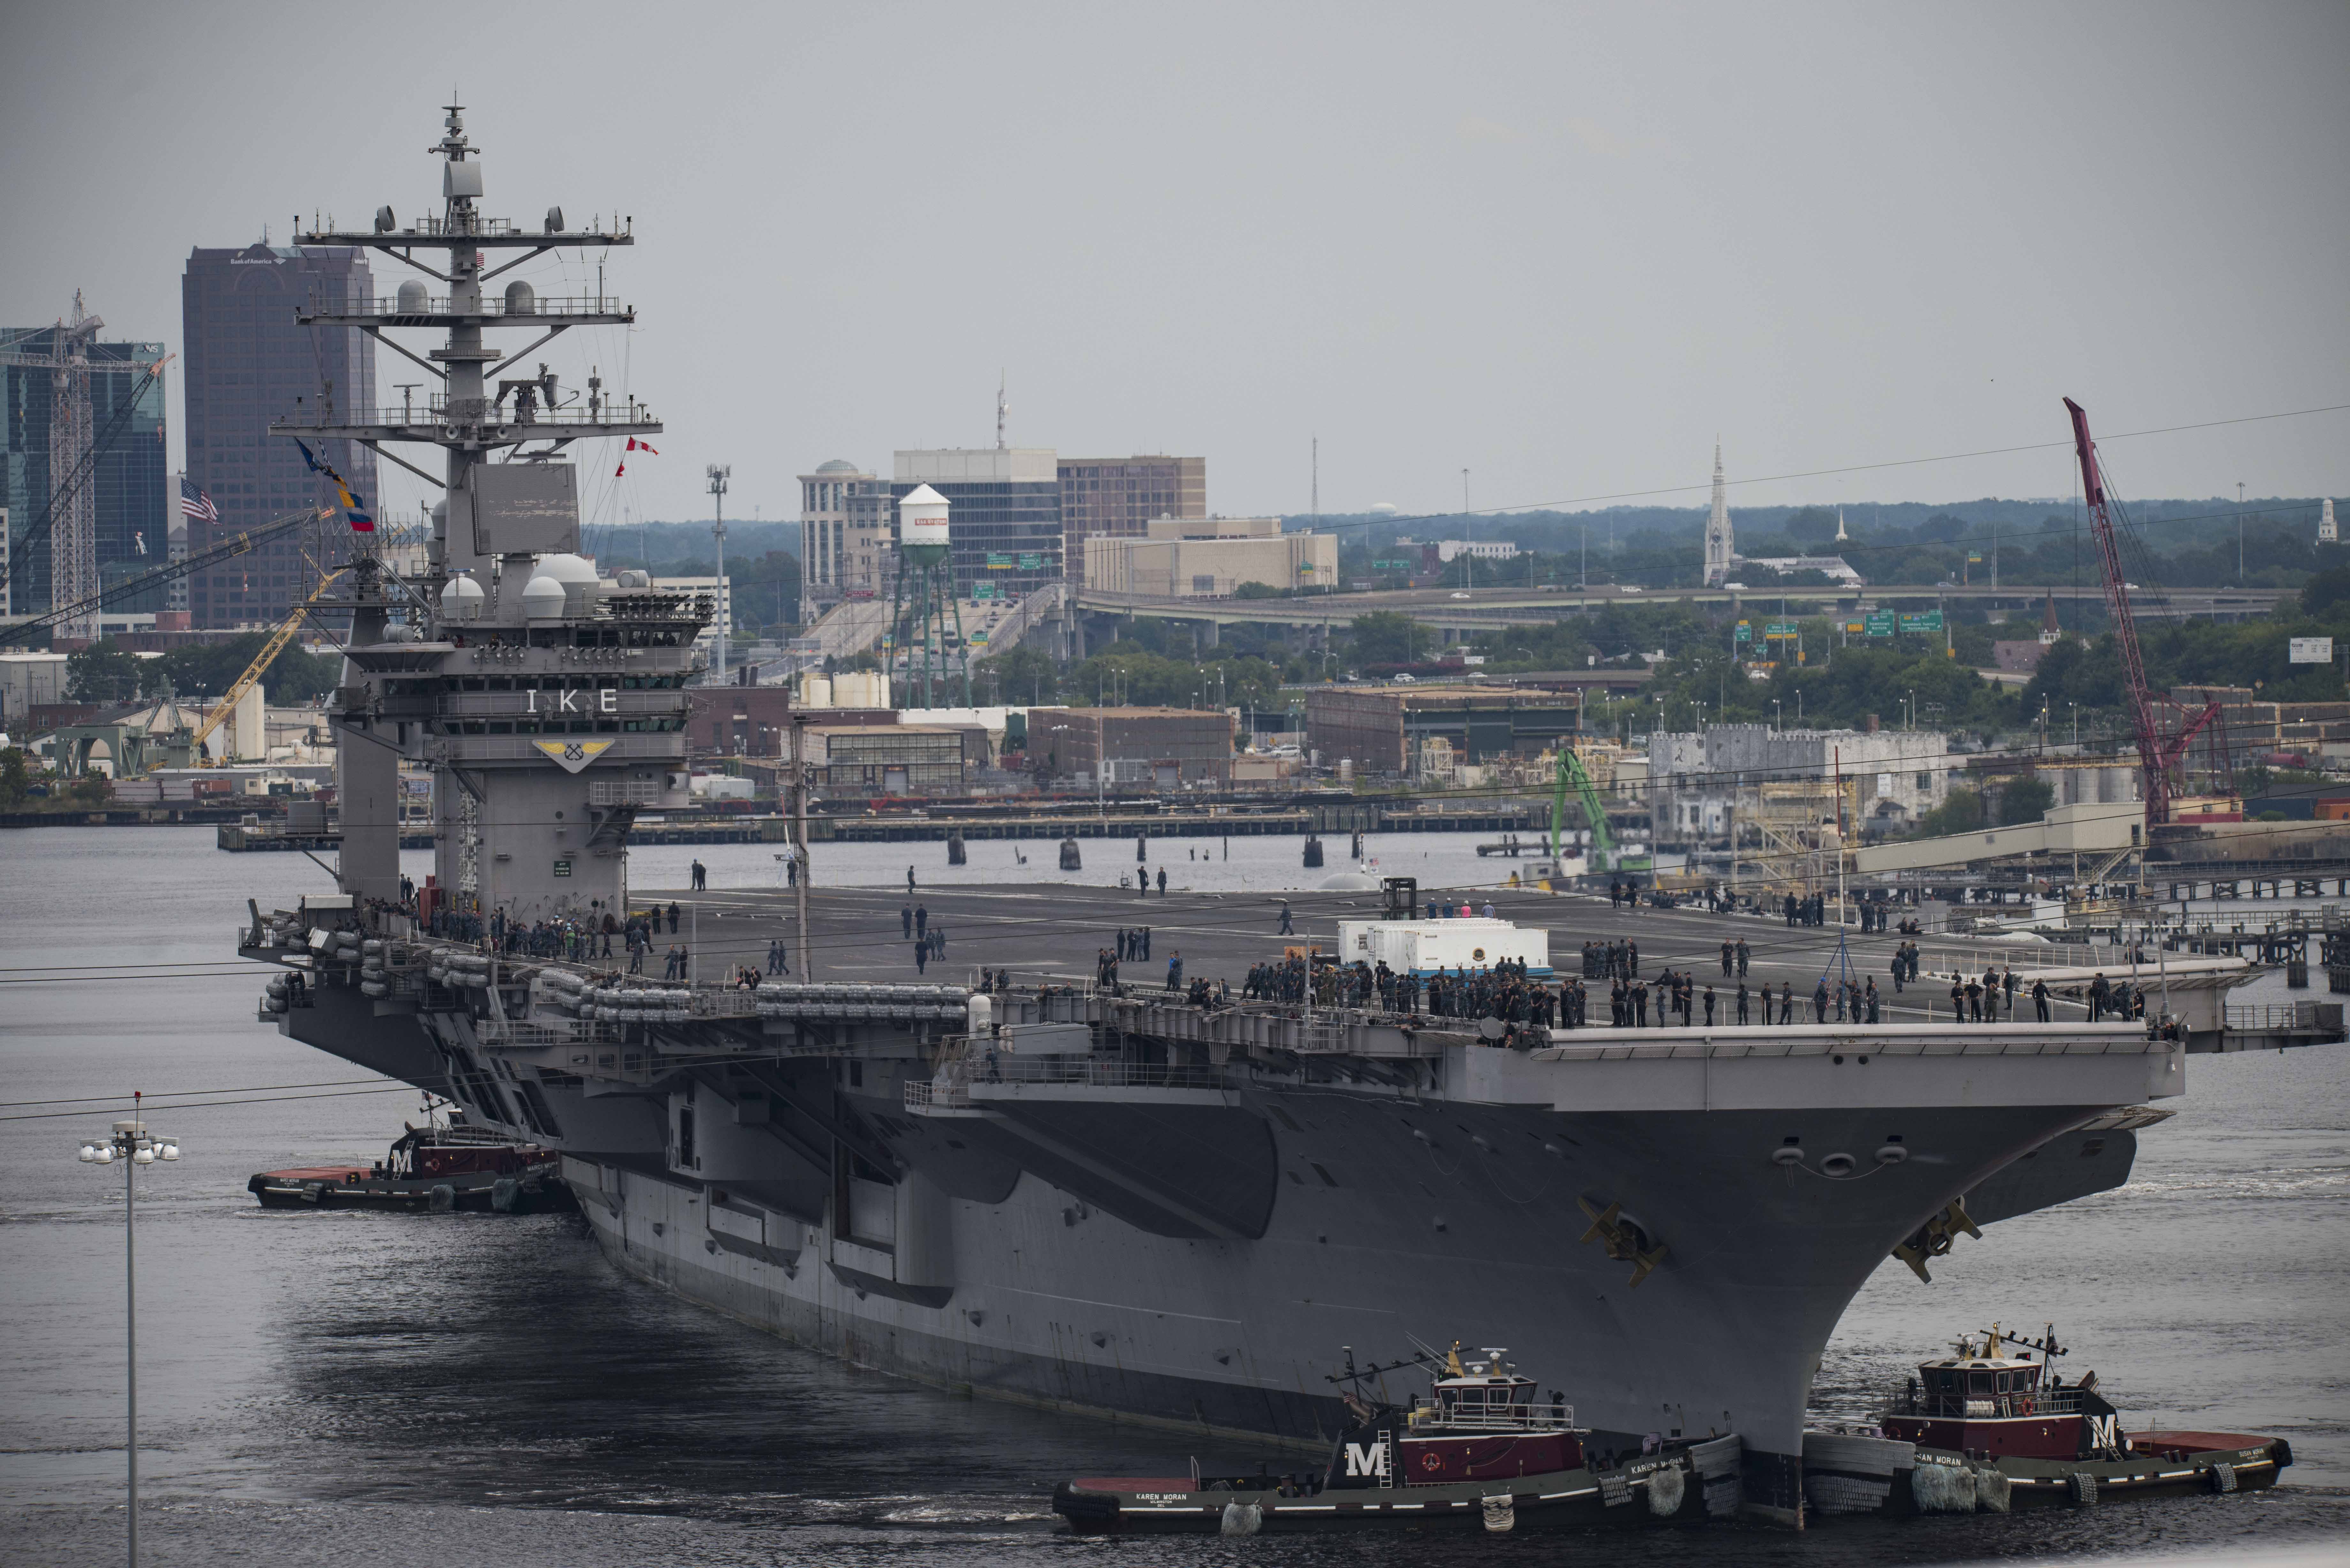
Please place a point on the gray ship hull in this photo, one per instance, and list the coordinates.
(1195, 1258)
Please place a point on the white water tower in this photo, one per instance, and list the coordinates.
(925, 621)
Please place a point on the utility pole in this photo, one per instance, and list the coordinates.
(719, 473)
(1468, 536)
(2239, 533)
(1317, 482)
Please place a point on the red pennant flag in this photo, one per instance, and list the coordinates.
(622, 469)
(636, 445)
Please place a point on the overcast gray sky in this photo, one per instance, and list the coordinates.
(1561, 246)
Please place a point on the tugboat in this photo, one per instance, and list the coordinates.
(440, 1167)
(1987, 1430)
(1478, 1450)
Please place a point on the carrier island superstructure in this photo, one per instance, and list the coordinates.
(1169, 1213)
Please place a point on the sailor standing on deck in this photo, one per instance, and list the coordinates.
(2040, 999)
(1787, 1001)
(1286, 928)
(1741, 1003)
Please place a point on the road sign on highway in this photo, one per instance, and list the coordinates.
(2311, 651)
(1879, 623)
(1779, 628)
(1925, 620)
(1745, 633)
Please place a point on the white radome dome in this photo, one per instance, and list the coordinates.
(543, 598)
(462, 599)
(566, 569)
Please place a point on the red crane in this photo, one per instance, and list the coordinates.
(2162, 756)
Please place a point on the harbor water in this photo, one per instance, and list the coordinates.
(359, 1388)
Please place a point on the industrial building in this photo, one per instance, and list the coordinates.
(886, 759)
(27, 680)
(1163, 748)
(1119, 497)
(1384, 730)
(1698, 781)
(738, 721)
(249, 361)
(1210, 558)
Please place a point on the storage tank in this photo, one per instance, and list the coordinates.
(860, 689)
(923, 534)
(815, 691)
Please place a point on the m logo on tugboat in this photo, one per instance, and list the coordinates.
(1367, 1458)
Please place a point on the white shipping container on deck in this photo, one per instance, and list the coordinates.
(1424, 947)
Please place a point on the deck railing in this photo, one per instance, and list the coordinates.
(1428, 1411)
(1988, 1407)
(2259, 1016)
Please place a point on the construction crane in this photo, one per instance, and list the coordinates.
(226, 550)
(73, 451)
(1571, 775)
(257, 668)
(2162, 756)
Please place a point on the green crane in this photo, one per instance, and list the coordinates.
(1571, 775)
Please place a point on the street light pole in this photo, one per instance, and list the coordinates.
(134, 1145)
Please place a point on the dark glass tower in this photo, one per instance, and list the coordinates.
(249, 362)
(135, 508)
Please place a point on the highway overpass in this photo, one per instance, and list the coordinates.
(1472, 610)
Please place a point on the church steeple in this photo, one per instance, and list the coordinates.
(1718, 541)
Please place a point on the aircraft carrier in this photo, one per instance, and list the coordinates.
(1121, 1204)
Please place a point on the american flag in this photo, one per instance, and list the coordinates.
(195, 503)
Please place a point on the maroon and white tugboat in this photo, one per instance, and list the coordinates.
(1993, 1425)
(443, 1165)
(1480, 1449)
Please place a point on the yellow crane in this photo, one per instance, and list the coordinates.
(258, 668)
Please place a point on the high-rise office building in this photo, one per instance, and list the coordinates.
(1005, 517)
(131, 487)
(1120, 496)
(248, 362)
(844, 536)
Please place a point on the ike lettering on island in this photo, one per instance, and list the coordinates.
(567, 701)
